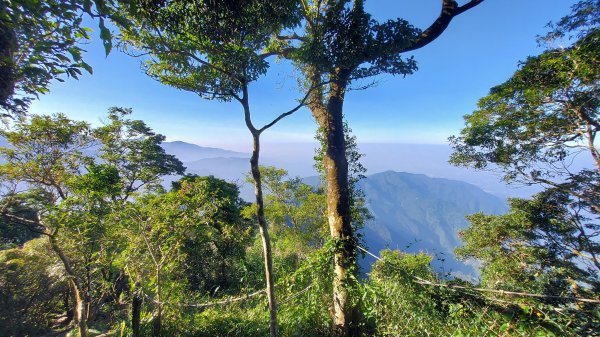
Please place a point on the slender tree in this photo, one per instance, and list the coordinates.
(216, 50)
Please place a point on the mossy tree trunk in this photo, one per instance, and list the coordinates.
(335, 165)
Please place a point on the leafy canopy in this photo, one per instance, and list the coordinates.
(207, 47)
(41, 41)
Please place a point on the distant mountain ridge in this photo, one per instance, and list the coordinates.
(187, 152)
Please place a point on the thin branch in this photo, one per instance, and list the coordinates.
(285, 114)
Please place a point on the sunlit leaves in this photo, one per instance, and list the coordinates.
(548, 108)
(212, 49)
(41, 42)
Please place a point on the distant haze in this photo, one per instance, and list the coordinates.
(187, 152)
(298, 160)
(428, 159)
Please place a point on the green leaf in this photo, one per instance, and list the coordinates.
(106, 37)
(87, 67)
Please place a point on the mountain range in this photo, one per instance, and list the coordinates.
(411, 212)
(187, 152)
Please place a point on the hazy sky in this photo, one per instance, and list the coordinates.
(480, 49)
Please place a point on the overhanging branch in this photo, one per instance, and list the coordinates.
(450, 9)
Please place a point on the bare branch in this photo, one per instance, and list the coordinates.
(285, 114)
(283, 53)
(450, 9)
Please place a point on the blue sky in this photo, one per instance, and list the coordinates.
(480, 49)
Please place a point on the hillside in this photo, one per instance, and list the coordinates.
(413, 212)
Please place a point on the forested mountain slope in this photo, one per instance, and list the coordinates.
(413, 212)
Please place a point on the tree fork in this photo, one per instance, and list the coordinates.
(260, 215)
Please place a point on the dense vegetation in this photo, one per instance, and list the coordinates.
(93, 243)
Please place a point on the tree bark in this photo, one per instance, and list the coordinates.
(157, 323)
(136, 310)
(335, 164)
(81, 299)
(264, 234)
(80, 312)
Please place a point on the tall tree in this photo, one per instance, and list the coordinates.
(339, 43)
(531, 128)
(212, 50)
(216, 49)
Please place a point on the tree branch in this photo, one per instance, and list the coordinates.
(450, 9)
(296, 108)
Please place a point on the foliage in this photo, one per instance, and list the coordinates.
(532, 127)
(534, 248)
(70, 194)
(532, 123)
(215, 267)
(42, 41)
(46, 152)
(32, 288)
(134, 150)
(342, 35)
(305, 310)
(212, 49)
(186, 243)
(295, 212)
(400, 302)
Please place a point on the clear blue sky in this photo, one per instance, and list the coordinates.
(480, 49)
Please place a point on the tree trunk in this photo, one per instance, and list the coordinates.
(264, 234)
(156, 326)
(81, 300)
(335, 165)
(80, 312)
(260, 213)
(136, 310)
